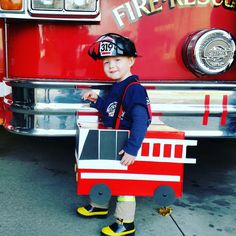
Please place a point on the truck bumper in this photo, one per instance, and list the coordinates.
(48, 108)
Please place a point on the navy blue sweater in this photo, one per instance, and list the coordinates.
(135, 116)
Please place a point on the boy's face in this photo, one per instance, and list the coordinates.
(118, 68)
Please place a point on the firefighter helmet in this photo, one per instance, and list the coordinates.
(112, 44)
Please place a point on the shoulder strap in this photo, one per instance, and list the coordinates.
(119, 108)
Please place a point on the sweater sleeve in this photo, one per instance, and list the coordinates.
(138, 130)
(98, 104)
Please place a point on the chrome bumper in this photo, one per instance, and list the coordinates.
(43, 108)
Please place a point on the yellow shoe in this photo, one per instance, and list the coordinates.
(90, 212)
(118, 229)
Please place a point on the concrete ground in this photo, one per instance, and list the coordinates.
(38, 192)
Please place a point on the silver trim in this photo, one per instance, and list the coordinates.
(209, 51)
(31, 82)
(199, 45)
(49, 108)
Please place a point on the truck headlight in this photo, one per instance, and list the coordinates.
(47, 4)
(80, 5)
(11, 4)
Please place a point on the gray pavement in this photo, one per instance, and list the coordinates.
(38, 192)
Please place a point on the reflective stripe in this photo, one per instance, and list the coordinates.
(207, 110)
(126, 199)
(225, 110)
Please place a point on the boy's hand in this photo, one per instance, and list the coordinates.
(90, 95)
(127, 159)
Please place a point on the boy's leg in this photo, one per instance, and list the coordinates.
(125, 208)
(93, 210)
(124, 213)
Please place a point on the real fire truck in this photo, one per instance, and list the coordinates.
(186, 61)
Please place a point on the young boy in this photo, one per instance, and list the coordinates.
(118, 56)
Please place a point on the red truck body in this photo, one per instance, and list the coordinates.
(44, 63)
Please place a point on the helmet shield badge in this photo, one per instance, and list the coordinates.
(107, 46)
(112, 45)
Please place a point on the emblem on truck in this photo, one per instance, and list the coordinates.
(209, 52)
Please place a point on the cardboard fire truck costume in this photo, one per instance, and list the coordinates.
(157, 171)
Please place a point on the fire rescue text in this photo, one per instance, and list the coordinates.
(135, 9)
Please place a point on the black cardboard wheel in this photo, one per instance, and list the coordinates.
(100, 194)
(164, 196)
